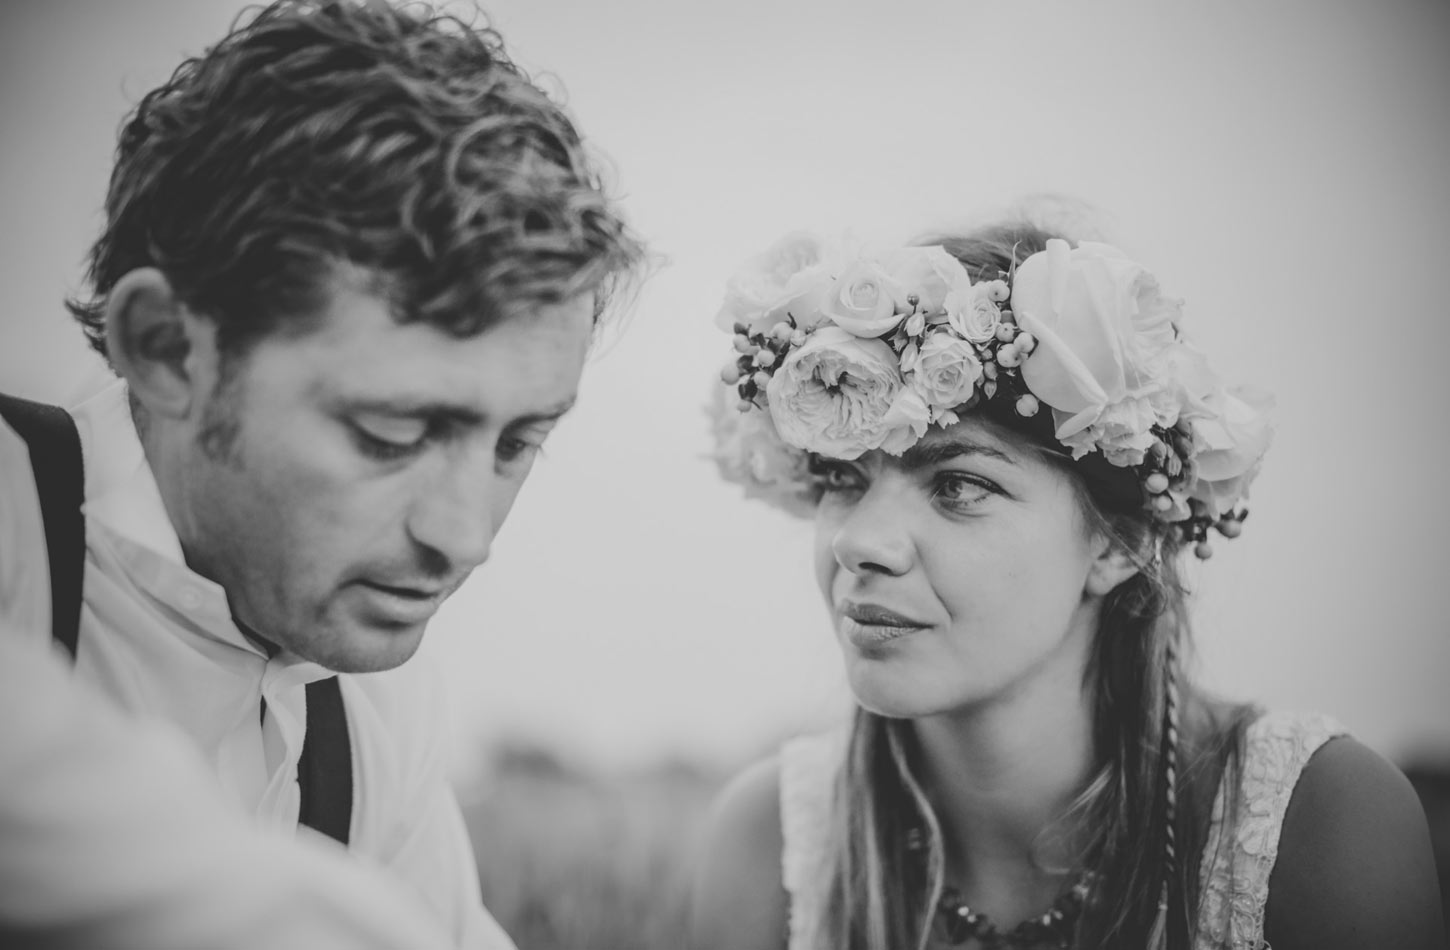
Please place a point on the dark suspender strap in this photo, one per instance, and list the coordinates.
(55, 458)
(324, 772)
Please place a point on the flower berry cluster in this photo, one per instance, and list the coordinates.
(848, 353)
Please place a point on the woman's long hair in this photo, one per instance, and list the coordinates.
(887, 855)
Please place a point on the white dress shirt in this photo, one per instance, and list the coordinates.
(115, 835)
(158, 640)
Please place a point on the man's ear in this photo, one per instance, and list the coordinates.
(1111, 567)
(163, 350)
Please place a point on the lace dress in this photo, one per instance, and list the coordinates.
(1236, 861)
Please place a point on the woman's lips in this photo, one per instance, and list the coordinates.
(868, 625)
(878, 616)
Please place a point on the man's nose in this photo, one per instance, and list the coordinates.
(453, 514)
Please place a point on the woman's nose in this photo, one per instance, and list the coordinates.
(873, 536)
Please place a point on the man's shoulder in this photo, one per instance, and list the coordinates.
(14, 461)
(405, 709)
(402, 743)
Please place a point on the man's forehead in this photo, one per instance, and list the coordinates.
(345, 284)
(432, 405)
(472, 383)
(357, 352)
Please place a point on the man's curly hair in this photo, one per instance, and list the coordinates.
(401, 141)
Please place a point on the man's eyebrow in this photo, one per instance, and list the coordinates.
(419, 408)
(551, 414)
(933, 453)
(435, 409)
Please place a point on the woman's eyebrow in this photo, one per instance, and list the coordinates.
(923, 454)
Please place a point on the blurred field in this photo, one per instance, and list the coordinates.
(570, 860)
(576, 861)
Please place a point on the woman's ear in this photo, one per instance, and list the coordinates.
(155, 342)
(1112, 565)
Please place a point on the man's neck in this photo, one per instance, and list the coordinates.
(262, 643)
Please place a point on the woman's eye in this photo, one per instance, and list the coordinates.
(835, 476)
(956, 490)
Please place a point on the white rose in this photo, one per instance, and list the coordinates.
(1192, 383)
(1122, 432)
(749, 452)
(946, 370)
(1104, 333)
(832, 394)
(906, 421)
(928, 272)
(789, 277)
(865, 300)
(1229, 446)
(972, 310)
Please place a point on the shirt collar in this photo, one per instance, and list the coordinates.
(121, 491)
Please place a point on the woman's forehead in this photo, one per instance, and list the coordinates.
(973, 427)
(970, 437)
(983, 430)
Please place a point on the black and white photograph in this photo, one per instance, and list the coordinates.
(792, 475)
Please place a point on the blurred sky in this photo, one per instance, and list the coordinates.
(1280, 165)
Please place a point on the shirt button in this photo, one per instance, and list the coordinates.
(190, 599)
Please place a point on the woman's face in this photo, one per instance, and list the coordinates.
(957, 574)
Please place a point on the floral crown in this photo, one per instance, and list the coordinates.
(846, 351)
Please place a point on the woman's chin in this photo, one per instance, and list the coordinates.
(902, 691)
(892, 696)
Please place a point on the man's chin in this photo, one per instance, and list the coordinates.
(344, 635)
(373, 651)
(354, 647)
(367, 631)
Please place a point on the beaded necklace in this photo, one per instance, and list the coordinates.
(957, 923)
(1054, 929)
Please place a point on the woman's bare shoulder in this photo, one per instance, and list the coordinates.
(739, 899)
(1355, 867)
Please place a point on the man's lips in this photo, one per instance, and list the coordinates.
(411, 591)
(406, 603)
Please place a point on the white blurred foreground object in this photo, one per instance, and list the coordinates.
(114, 835)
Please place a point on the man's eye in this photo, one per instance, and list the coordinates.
(520, 449)
(511, 449)
(389, 439)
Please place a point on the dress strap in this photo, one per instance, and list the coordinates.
(1243, 837)
(808, 768)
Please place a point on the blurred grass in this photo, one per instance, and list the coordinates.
(570, 860)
